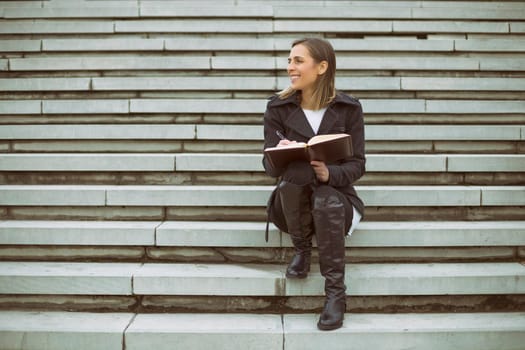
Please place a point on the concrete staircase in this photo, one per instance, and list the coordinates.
(132, 192)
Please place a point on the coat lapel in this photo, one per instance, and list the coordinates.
(329, 119)
(297, 121)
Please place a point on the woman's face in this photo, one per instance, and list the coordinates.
(302, 69)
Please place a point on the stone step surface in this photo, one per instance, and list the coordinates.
(54, 232)
(95, 26)
(227, 147)
(257, 25)
(250, 83)
(485, 45)
(67, 278)
(398, 12)
(249, 234)
(71, 12)
(263, 44)
(361, 279)
(250, 106)
(232, 44)
(34, 330)
(243, 132)
(217, 162)
(260, 63)
(238, 196)
(367, 234)
(81, 330)
(145, 10)
(275, 3)
(109, 63)
(417, 331)
(59, 278)
(198, 331)
(378, 331)
(386, 27)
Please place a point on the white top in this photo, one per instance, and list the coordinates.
(314, 118)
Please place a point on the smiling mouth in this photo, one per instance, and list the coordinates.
(294, 78)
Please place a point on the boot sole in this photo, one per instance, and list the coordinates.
(302, 276)
(329, 327)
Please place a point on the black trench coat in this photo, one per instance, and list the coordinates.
(343, 115)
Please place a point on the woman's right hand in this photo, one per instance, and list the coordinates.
(285, 143)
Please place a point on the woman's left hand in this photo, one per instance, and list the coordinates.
(321, 170)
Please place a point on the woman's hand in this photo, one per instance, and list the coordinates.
(285, 142)
(321, 170)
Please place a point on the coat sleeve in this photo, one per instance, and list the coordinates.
(271, 125)
(351, 170)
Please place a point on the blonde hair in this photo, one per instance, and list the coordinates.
(324, 91)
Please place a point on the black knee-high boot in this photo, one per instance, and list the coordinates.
(296, 206)
(329, 221)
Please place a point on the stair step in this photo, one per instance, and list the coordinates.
(117, 62)
(241, 44)
(251, 83)
(251, 162)
(104, 44)
(22, 45)
(256, 106)
(249, 234)
(52, 26)
(361, 279)
(49, 232)
(258, 63)
(198, 195)
(173, 146)
(90, 162)
(486, 331)
(386, 26)
(201, 132)
(256, 280)
(367, 234)
(371, 10)
(72, 12)
(456, 11)
(237, 26)
(67, 278)
(487, 45)
(200, 331)
(39, 26)
(100, 10)
(84, 331)
(34, 330)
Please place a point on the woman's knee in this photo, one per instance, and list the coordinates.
(326, 199)
(325, 196)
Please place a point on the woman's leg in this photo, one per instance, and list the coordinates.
(295, 195)
(332, 216)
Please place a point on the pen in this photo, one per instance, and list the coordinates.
(281, 136)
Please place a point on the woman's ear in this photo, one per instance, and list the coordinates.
(322, 67)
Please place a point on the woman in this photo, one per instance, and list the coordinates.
(314, 197)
